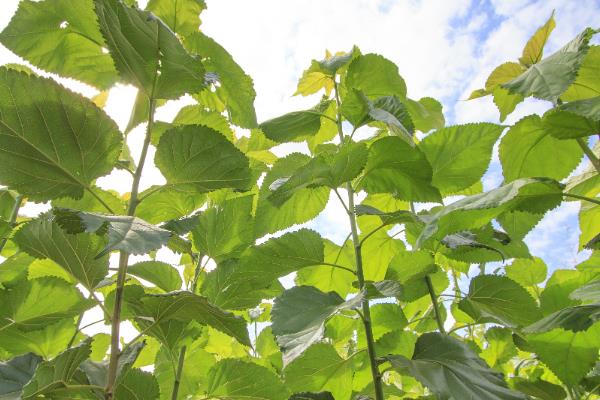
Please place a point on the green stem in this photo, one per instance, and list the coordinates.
(366, 312)
(123, 262)
(589, 153)
(434, 302)
(576, 196)
(13, 218)
(178, 374)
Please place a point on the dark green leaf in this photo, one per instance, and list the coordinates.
(539, 389)
(451, 370)
(295, 126)
(15, 373)
(312, 396)
(90, 141)
(575, 318)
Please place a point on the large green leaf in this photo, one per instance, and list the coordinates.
(295, 126)
(570, 355)
(304, 205)
(259, 266)
(330, 169)
(63, 37)
(321, 369)
(226, 229)
(299, 317)
(165, 203)
(146, 52)
(575, 318)
(527, 271)
(128, 234)
(47, 341)
(525, 150)
(426, 114)
(235, 88)
(56, 375)
(26, 304)
(239, 380)
(15, 373)
(182, 16)
(550, 77)
(32, 162)
(533, 195)
(136, 384)
(202, 159)
(186, 306)
(395, 167)
(451, 370)
(43, 238)
(161, 274)
(586, 84)
(494, 298)
(588, 292)
(569, 125)
(375, 76)
(460, 155)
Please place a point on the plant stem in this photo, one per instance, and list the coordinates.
(178, 373)
(589, 153)
(576, 196)
(123, 261)
(13, 218)
(366, 312)
(434, 302)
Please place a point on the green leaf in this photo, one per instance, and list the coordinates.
(299, 317)
(235, 89)
(426, 114)
(330, 169)
(129, 234)
(15, 373)
(494, 298)
(589, 224)
(460, 155)
(575, 318)
(161, 204)
(136, 384)
(451, 370)
(533, 195)
(539, 389)
(161, 274)
(61, 37)
(505, 101)
(225, 230)
(525, 148)
(320, 74)
(527, 271)
(182, 16)
(186, 307)
(295, 126)
(550, 77)
(321, 369)
(569, 355)
(586, 84)
(239, 380)
(47, 341)
(395, 167)
(25, 305)
(90, 141)
(200, 158)
(196, 114)
(43, 238)
(55, 376)
(589, 292)
(534, 49)
(146, 52)
(303, 206)
(259, 266)
(500, 347)
(375, 76)
(568, 125)
(312, 396)
(91, 202)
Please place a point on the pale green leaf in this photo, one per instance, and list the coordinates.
(182, 16)
(161, 274)
(375, 76)
(534, 49)
(586, 84)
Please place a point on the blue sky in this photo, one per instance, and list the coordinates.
(443, 48)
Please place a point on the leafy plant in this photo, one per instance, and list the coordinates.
(380, 316)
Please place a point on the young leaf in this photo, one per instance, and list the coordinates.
(236, 89)
(528, 272)
(550, 77)
(237, 380)
(450, 369)
(299, 317)
(43, 238)
(146, 52)
(181, 16)
(159, 204)
(56, 375)
(32, 164)
(295, 126)
(161, 274)
(129, 234)
(525, 148)
(62, 37)
(426, 114)
(460, 155)
(395, 167)
(375, 76)
(534, 49)
(499, 299)
(15, 373)
(202, 159)
(321, 369)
